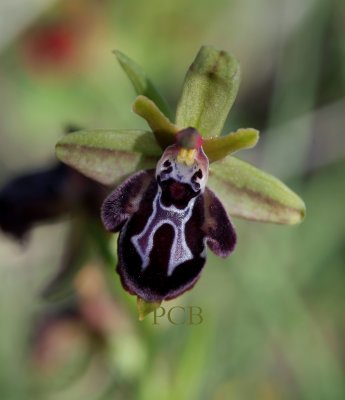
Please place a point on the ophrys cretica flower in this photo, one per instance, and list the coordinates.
(165, 213)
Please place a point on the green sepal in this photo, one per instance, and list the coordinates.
(162, 128)
(219, 147)
(141, 83)
(209, 90)
(250, 193)
(108, 156)
(145, 308)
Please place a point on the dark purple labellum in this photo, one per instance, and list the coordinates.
(165, 218)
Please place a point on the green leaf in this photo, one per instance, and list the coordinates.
(209, 90)
(108, 156)
(142, 84)
(145, 308)
(250, 193)
(163, 129)
(219, 147)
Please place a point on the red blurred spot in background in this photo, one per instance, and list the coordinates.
(51, 45)
(61, 39)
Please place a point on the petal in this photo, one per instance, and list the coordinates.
(163, 129)
(215, 148)
(250, 193)
(108, 156)
(219, 147)
(35, 197)
(142, 84)
(45, 195)
(124, 200)
(220, 234)
(208, 92)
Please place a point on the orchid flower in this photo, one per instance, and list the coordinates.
(168, 179)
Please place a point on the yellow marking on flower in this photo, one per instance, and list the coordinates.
(186, 156)
(181, 156)
(190, 157)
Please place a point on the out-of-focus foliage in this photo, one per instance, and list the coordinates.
(273, 314)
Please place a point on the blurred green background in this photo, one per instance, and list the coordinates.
(273, 313)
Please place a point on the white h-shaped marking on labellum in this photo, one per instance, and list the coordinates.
(174, 217)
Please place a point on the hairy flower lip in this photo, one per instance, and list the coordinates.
(166, 233)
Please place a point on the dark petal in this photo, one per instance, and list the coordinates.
(154, 283)
(49, 193)
(124, 200)
(220, 233)
(44, 195)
